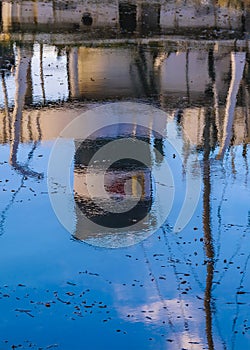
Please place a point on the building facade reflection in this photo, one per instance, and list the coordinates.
(124, 180)
(178, 81)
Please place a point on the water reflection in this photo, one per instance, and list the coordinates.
(208, 237)
(187, 290)
(22, 91)
(129, 180)
(179, 81)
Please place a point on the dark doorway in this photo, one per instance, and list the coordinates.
(127, 17)
(150, 18)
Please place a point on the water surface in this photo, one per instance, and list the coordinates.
(91, 290)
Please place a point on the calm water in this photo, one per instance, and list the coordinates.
(171, 78)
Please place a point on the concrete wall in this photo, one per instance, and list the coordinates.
(148, 15)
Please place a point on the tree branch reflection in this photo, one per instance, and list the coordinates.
(23, 66)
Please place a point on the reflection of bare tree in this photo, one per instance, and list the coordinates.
(42, 75)
(238, 64)
(3, 214)
(187, 76)
(15, 126)
(171, 323)
(237, 302)
(237, 72)
(209, 140)
(7, 121)
(247, 124)
(147, 74)
(208, 233)
(208, 239)
(23, 65)
(72, 67)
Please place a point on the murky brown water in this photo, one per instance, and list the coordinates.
(172, 79)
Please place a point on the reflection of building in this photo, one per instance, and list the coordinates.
(108, 73)
(50, 123)
(193, 123)
(129, 72)
(120, 185)
(100, 186)
(174, 79)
